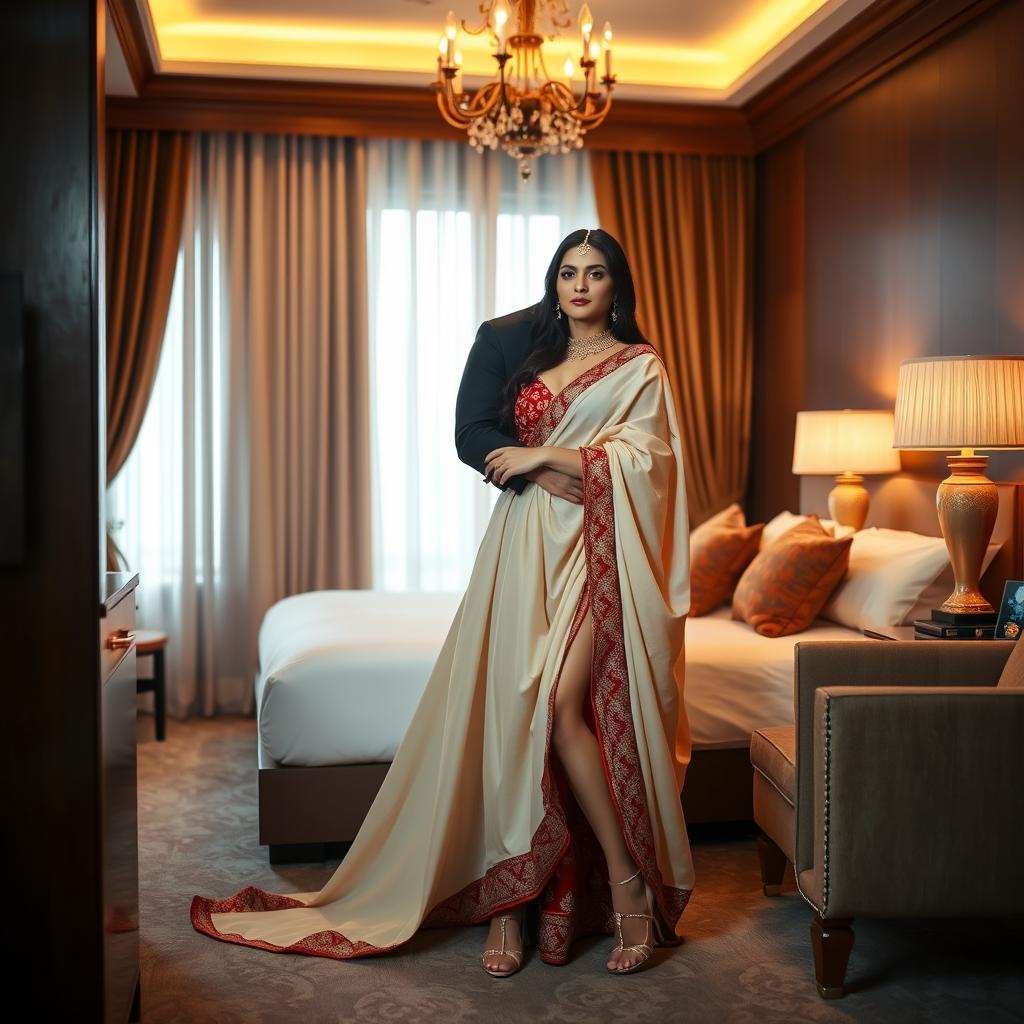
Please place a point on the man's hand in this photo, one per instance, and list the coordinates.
(557, 483)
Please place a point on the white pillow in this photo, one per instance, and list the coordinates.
(941, 587)
(889, 570)
(785, 521)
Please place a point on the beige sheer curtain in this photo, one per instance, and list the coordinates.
(686, 222)
(296, 237)
(147, 183)
(251, 477)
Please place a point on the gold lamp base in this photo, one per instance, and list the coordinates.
(848, 501)
(967, 503)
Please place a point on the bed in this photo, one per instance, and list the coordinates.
(340, 673)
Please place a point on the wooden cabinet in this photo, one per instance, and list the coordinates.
(119, 801)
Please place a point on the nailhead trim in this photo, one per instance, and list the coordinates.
(828, 789)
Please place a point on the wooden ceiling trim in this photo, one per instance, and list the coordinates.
(193, 103)
(131, 34)
(878, 40)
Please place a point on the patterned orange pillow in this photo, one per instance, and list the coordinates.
(790, 581)
(731, 517)
(718, 556)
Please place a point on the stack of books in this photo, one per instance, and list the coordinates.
(955, 626)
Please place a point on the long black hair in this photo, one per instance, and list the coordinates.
(549, 335)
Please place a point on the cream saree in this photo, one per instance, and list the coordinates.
(475, 814)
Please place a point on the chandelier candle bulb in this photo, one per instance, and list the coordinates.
(586, 27)
(501, 15)
(607, 49)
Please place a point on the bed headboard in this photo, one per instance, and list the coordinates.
(903, 503)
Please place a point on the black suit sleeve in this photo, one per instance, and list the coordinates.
(478, 406)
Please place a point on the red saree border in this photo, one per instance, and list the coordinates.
(552, 415)
(609, 690)
(511, 881)
(328, 943)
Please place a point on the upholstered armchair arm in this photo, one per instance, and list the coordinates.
(917, 801)
(876, 663)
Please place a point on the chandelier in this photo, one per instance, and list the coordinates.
(524, 110)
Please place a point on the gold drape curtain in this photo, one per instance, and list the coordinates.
(686, 222)
(147, 182)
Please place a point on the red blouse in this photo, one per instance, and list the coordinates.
(531, 402)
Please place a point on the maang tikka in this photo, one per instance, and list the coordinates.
(584, 247)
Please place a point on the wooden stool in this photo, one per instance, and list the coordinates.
(151, 641)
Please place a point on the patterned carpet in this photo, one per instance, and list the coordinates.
(746, 959)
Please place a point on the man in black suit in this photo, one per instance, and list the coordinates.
(500, 347)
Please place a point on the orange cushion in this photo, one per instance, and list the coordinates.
(790, 581)
(717, 558)
(731, 517)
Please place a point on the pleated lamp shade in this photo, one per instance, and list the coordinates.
(951, 402)
(844, 441)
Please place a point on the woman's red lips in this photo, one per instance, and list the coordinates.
(580, 302)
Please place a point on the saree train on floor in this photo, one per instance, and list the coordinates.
(476, 814)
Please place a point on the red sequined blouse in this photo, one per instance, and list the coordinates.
(531, 402)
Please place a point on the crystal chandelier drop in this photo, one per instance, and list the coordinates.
(524, 110)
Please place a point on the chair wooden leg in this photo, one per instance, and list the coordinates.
(773, 865)
(832, 941)
(159, 694)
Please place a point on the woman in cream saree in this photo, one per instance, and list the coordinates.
(476, 814)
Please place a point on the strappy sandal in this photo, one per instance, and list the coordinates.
(645, 949)
(516, 954)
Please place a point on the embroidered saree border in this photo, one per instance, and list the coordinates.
(609, 690)
(552, 415)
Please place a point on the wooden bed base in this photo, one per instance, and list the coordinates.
(309, 814)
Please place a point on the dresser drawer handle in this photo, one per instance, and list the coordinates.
(120, 640)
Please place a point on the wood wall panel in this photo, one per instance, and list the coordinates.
(911, 215)
(779, 323)
(879, 39)
(51, 121)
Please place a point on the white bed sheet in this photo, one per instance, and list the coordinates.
(341, 672)
(738, 681)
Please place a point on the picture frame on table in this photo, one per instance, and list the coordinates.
(1010, 623)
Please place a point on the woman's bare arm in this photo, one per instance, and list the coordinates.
(565, 460)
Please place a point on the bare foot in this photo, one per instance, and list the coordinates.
(631, 898)
(505, 963)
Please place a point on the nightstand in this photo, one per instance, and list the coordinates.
(119, 800)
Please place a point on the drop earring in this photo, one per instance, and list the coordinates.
(615, 314)
(558, 311)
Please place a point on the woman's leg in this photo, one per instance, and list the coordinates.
(580, 756)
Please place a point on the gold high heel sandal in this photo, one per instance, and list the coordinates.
(644, 948)
(516, 954)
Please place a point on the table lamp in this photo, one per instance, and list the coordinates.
(847, 444)
(963, 403)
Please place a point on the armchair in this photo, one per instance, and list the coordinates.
(898, 793)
